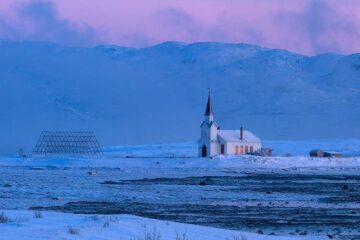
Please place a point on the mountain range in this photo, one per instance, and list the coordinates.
(158, 94)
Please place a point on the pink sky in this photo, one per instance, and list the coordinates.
(304, 26)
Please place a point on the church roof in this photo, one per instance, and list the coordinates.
(234, 136)
(209, 110)
(209, 124)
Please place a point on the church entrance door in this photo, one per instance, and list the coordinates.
(203, 151)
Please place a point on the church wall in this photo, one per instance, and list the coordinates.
(230, 147)
(213, 133)
(209, 139)
(202, 141)
(214, 149)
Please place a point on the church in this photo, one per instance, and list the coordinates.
(214, 141)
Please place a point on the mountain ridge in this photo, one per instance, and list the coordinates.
(157, 94)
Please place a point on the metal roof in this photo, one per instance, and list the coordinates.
(234, 136)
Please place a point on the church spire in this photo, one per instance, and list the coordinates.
(209, 110)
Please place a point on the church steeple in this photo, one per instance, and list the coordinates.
(209, 110)
(209, 132)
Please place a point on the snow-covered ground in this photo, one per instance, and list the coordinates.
(282, 195)
(185, 156)
(246, 162)
(349, 147)
(52, 225)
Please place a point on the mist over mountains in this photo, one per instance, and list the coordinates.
(158, 94)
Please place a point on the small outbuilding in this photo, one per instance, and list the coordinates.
(316, 153)
(263, 152)
(321, 153)
(333, 154)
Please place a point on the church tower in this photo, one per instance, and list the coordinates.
(209, 133)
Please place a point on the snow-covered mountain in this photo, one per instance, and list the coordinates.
(158, 94)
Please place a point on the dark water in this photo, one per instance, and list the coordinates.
(275, 203)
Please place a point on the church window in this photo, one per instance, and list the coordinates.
(222, 149)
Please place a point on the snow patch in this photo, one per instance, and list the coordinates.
(53, 225)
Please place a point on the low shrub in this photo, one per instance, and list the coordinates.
(106, 223)
(154, 235)
(181, 236)
(37, 214)
(4, 218)
(72, 230)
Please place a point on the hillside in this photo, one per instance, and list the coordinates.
(158, 94)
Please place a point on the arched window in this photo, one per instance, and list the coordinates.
(242, 150)
(222, 149)
(246, 149)
(236, 150)
(251, 149)
(203, 151)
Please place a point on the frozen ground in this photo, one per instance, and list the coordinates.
(278, 195)
(185, 156)
(296, 148)
(51, 225)
(349, 147)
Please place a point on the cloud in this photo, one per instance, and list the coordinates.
(329, 29)
(176, 24)
(321, 27)
(39, 21)
(306, 26)
(5, 29)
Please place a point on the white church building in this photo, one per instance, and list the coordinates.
(214, 141)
